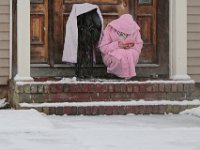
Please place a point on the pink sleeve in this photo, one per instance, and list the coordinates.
(106, 44)
(136, 50)
(138, 42)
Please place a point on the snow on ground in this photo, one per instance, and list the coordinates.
(194, 112)
(3, 103)
(30, 130)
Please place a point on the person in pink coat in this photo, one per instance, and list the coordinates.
(121, 46)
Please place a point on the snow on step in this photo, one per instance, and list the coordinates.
(110, 103)
(106, 81)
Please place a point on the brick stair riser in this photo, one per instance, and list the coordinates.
(39, 93)
(114, 110)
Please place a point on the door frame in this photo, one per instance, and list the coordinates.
(158, 69)
(177, 41)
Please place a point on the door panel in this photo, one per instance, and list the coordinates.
(145, 14)
(39, 31)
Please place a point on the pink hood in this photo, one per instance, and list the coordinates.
(125, 24)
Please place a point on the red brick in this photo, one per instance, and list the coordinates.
(45, 110)
(129, 109)
(111, 88)
(145, 88)
(137, 96)
(192, 87)
(103, 96)
(155, 87)
(161, 87)
(70, 110)
(39, 98)
(174, 87)
(88, 110)
(188, 87)
(66, 88)
(150, 96)
(59, 110)
(80, 95)
(81, 110)
(34, 88)
(83, 87)
(60, 97)
(56, 88)
(115, 110)
(108, 110)
(149, 88)
(91, 87)
(40, 88)
(101, 88)
(121, 96)
(162, 109)
(142, 87)
(161, 96)
(155, 109)
(129, 88)
(135, 109)
(52, 110)
(176, 109)
(180, 87)
(141, 109)
(122, 110)
(46, 88)
(69, 97)
(101, 110)
(135, 88)
(120, 88)
(148, 109)
(132, 109)
(78, 88)
(94, 110)
(168, 87)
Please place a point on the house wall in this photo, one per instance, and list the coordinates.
(194, 39)
(4, 41)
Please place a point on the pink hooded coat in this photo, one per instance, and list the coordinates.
(121, 62)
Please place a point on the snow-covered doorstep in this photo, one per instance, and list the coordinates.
(3, 103)
(105, 81)
(115, 103)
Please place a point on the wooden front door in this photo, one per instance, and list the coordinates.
(48, 20)
(39, 31)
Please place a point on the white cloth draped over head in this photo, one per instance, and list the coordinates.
(71, 35)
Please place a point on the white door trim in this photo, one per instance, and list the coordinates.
(178, 39)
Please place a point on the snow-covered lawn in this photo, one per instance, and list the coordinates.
(30, 130)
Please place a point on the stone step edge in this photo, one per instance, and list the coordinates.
(112, 103)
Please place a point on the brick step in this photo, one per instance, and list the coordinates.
(52, 92)
(112, 108)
